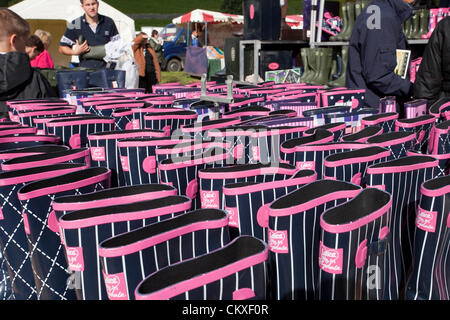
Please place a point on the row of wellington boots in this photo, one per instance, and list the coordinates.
(417, 25)
(350, 11)
(317, 64)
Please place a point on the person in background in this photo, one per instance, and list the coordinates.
(96, 30)
(372, 58)
(433, 78)
(148, 65)
(195, 38)
(18, 80)
(34, 47)
(156, 44)
(44, 60)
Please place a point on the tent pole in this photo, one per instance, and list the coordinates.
(206, 33)
(188, 36)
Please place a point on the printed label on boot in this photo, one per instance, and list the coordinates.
(233, 218)
(278, 241)
(306, 165)
(116, 287)
(133, 125)
(124, 162)
(256, 153)
(75, 257)
(209, 199)
(426, 220)
(98, 153)
(330, 260)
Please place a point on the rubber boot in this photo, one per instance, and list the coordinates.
(111, 220)
(338, 68)
(325, 62)
(334, 67)
(189, 235)
(415, 26)
(313, 59)
(424, 22)
(351, 21)
(308, 61)
(364, 4)
(235, 271)
(294, 237)
(340, 82)
(96, 52)
(353, 245)
(402, 178)
(422, 126)
(440, 139)
(429, 278)
(306, 68)
(407, 28)
(47, 254)
(14, 242)
(344, 23)
(358, 8)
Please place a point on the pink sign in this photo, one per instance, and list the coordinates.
(278, 241)
(330, 260)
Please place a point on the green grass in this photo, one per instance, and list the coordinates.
(180, 6)
(165, 6)
(180, 77)
(138, 23)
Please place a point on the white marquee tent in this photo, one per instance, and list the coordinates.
(53, 16)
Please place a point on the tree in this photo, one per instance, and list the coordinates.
(231, 6)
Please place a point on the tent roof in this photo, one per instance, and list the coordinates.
(69, 10)
(201, 16)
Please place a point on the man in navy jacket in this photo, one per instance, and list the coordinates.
(376, 36)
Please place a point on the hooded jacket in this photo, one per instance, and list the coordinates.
(18, 80)
(138, 51)
(433, 79)
(372, 51)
